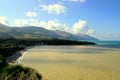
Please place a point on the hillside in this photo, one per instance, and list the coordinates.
(39, 32)
(17, 72)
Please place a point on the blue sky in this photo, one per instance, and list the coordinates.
(98, 18)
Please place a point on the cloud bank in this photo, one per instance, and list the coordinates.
(26, 22)
(53, 25)
(4, 20)
(78, 27)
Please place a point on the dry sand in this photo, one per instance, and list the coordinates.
(74, 62)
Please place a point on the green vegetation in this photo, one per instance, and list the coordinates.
(17, 72)
(3, 62)
(9, 46)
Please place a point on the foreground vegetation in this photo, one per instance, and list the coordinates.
(17, 72)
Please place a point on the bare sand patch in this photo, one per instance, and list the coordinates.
(74, 62)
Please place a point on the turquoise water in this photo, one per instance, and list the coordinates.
(110, 44)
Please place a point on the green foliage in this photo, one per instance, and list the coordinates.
(17, 72)
(7, 51)
(3, 62)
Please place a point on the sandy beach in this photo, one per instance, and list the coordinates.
(74, 62)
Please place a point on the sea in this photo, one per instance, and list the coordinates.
(109, 44)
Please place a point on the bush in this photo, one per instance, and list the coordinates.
(17, 72)
(3, 62)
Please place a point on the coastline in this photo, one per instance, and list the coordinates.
(17, 56)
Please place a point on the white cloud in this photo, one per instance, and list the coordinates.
(80, 27)
(31, 14)
(26, 22)
(21, 22)
(55, 8)
(81, 1)
(90, 32)
(53, 25)
(4, 20)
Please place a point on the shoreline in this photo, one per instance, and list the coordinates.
(17, 56)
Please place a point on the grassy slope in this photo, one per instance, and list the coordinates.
(17, 72)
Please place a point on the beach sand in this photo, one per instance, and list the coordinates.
(74, 62)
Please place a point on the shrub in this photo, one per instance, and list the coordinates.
(17, 72)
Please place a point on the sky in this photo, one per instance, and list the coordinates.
(97, 18)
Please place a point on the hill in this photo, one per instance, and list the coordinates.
(17, 72)
(39, 32)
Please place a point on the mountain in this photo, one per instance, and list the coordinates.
(39, 32)
(70, 36)
(8, 32)
(4, 28)
(36, 31)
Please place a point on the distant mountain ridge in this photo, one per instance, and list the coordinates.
(39, 32)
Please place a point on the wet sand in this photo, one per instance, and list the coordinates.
(16, 58)
(74, 62)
